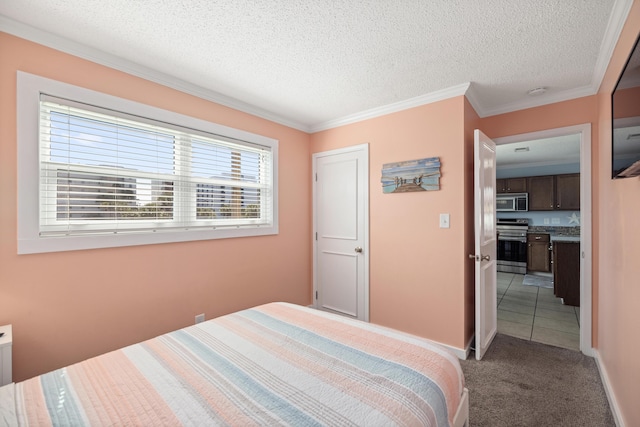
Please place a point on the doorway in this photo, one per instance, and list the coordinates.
(546, 221)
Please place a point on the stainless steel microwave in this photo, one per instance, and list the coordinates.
(512, 202)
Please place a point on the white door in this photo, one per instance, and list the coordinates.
(485, 242)
(341, 243)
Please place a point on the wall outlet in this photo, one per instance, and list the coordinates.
(199, 318)
(546, 221)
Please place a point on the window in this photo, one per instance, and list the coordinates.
(110, 172)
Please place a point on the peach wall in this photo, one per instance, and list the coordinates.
(561, 114)
(68, 306)
(417, 270)
(619, 269)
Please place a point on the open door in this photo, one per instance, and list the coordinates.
(485, 242)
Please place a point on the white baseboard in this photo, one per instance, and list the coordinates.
(613, 402)
(467, 349)
(461, 353)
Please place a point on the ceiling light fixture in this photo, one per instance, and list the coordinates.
(521, 149)
(537, 91)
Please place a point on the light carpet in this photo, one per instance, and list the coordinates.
(525, 383)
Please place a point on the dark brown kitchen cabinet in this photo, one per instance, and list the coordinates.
(511, 185)
(568, 192)
(566, 272)
(541, 193)
(538, 257)
(554, 192)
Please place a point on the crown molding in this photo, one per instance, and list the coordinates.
(474, 99)
(566, 95)
(617, 19)
(417, 101)
(80, 50)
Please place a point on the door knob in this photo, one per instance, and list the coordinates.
(358, 249)
(480, 258)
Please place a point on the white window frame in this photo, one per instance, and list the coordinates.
(29, 88)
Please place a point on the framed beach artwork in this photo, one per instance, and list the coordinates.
(411, 175)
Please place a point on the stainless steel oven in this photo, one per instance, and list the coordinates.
(512, 245)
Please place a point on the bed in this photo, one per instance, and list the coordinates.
(275, 364)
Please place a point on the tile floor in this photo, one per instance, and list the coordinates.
(534, 313)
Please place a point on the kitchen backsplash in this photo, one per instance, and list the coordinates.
(547, 218)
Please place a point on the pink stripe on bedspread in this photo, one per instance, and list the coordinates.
(110, 390)
(36, 414)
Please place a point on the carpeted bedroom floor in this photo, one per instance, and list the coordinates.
(525, 383)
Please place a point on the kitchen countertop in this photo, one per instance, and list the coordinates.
(564, 238)
(558, 234)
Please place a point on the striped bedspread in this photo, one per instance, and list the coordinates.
(276, 364)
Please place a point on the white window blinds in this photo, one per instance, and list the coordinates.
(106, 171)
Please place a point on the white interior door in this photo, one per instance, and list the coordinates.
(485, 242)
(341, 249)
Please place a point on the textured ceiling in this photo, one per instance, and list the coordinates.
(310, 63)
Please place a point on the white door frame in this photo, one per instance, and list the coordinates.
(365, 245)
(586, 265)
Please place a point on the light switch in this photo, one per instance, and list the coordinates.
(444, 220)
(555, 220)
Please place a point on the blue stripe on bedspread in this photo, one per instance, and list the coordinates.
(269, 400)
(393, 371)
(63, 408)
